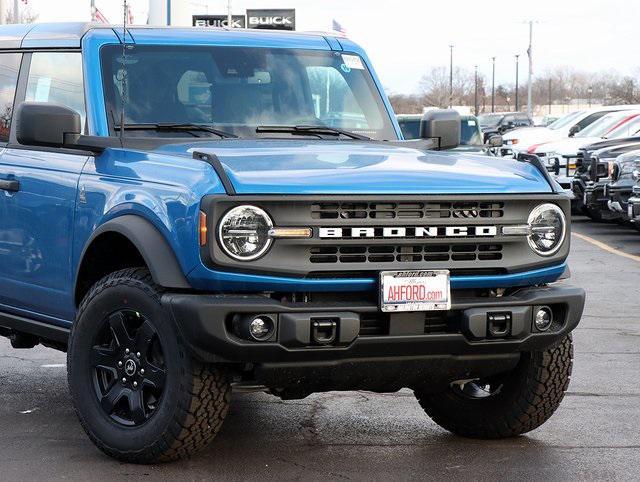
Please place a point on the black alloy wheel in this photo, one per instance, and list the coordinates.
(128, 368)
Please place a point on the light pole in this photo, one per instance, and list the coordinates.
(549, 96)
(589, 91)
(530, 54)
(517, 102)
(493, 85)
(450, 76)
(475, 94)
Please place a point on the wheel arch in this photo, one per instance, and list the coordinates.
(140, 241)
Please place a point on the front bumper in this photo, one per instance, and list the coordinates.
(618, 199)
(596, 198)
(633, 207)
(363, 333)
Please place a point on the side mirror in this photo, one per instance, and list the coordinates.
(574, 130)
(495, 141)
(46, 124)
(443, 125)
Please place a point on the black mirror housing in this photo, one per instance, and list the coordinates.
(46, 124)
(574, 130)
(443, 125)
(495, 141)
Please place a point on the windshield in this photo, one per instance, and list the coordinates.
(565, 120)
(628, 129)
(237, 89)
(490, 120)
(603, 125)
(470, 135)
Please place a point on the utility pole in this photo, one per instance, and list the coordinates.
(517, 103)
(168, 12)
(549, 96)
(16, 11)
(590, 91)
(493, 86)
(229, 15)
(450, 76)
(475, 95)
(530, 54)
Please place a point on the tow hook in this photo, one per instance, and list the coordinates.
(323, 332)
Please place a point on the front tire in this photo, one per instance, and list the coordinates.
(506, 405)
(139, 395)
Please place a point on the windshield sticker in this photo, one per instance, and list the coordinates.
(353, 61)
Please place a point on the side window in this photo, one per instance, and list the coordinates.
(590, 119)
(9, 67)
(57, 77)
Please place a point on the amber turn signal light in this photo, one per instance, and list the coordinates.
(203, 229)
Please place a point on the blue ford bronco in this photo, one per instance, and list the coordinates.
(188, 211)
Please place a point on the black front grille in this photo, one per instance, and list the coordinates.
(381, 324)
(407, 210)
(405, 254)
(430, 239)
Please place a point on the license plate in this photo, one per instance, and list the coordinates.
(415, 290)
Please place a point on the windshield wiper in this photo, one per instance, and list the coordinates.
(178, 127)
(312, 130)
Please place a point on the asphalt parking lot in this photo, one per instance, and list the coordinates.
(359, 435)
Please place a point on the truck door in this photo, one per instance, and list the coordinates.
(36, 226)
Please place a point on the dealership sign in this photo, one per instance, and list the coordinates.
(237, 21)
(276, 19)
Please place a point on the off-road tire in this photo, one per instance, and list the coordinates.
(196, 396)
(530, 395)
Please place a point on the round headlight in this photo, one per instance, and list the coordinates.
(243, 232)
(548, 228)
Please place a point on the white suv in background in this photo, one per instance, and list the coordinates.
(520, 140)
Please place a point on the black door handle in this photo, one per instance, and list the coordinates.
(9, 185)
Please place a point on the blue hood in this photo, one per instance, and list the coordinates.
(267, 166)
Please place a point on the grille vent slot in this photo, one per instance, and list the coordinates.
(405, 254)
(407, 210)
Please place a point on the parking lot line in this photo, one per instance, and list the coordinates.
(606, 247)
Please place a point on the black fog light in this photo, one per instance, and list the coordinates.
(254, 327)
(543, 318)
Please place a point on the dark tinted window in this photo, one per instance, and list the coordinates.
(410, 128)
(9, 67)
(469, 132)
(590, 119)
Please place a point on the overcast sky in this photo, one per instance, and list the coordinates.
(406, 37)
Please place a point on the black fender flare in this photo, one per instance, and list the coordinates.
(152, 245)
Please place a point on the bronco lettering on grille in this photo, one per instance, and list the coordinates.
(410, 232)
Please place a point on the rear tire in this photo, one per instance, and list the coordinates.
(520, 401)
(139, 395)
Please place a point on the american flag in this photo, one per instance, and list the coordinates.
(99, 16)
(337, 27)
